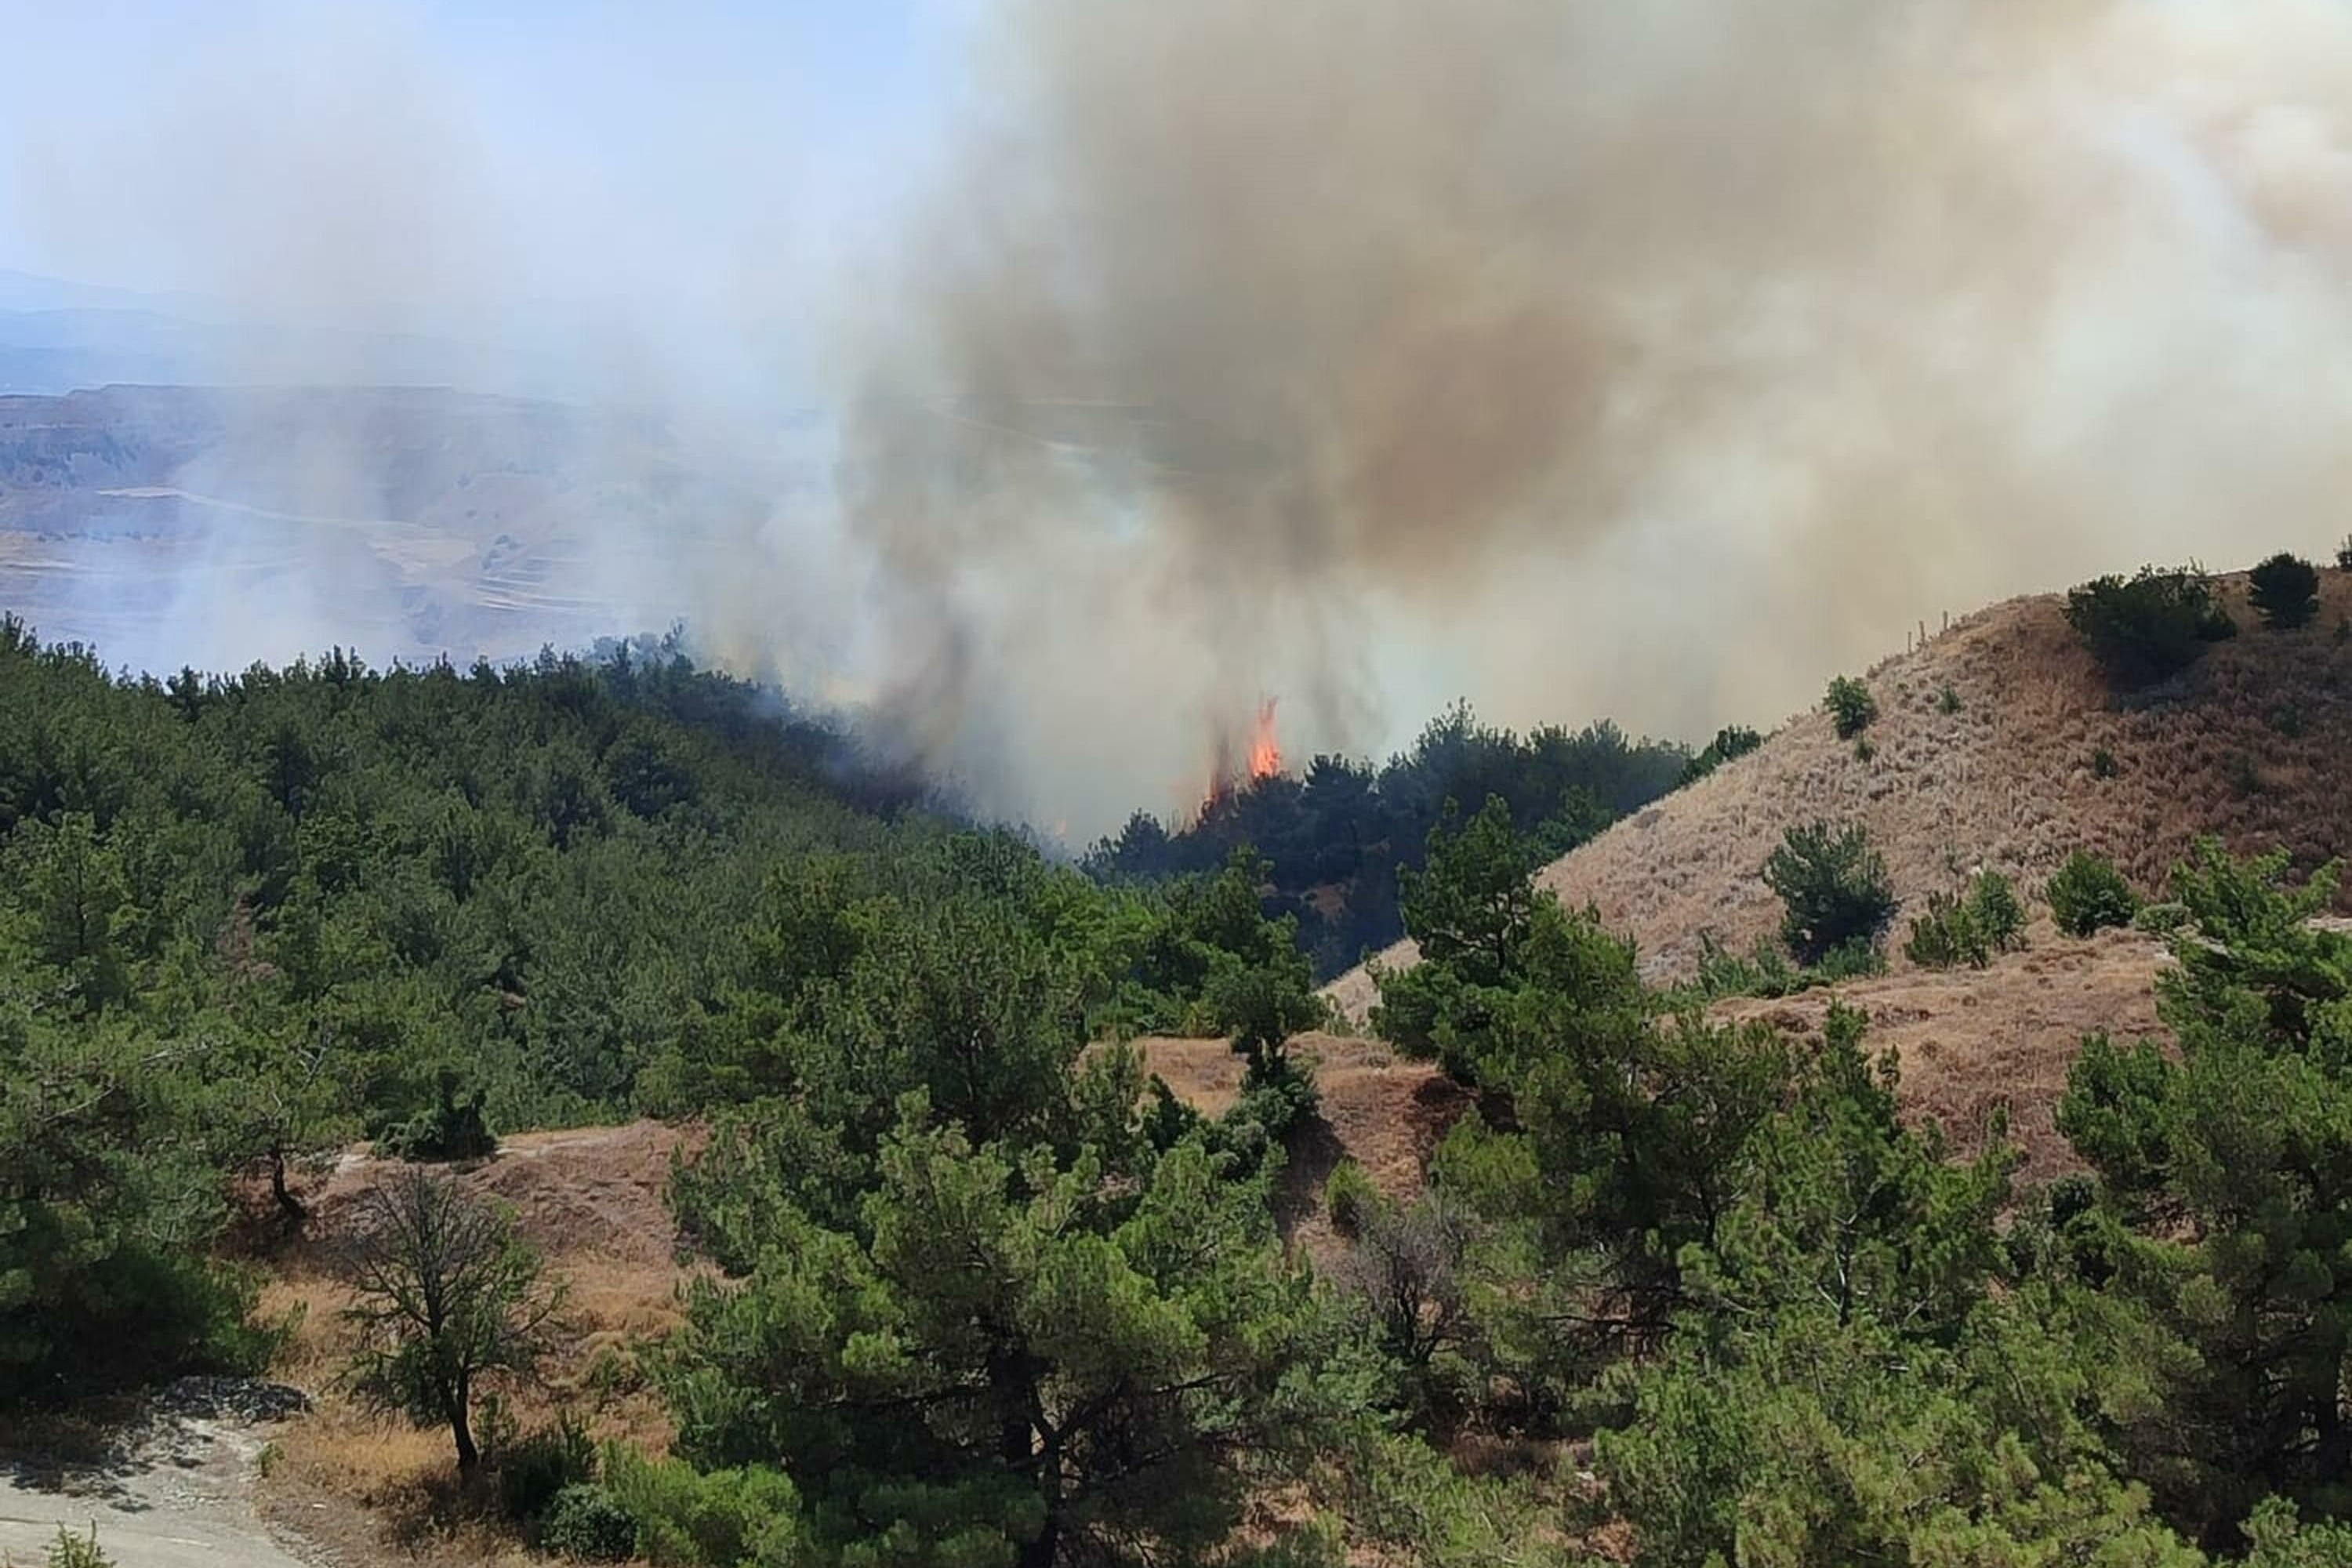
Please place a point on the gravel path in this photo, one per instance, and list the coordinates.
(175, 1491)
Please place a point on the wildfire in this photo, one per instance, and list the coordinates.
(1227, 775)
(1265, 752)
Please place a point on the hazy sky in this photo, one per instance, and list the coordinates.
(1652, 358)
(696, 159)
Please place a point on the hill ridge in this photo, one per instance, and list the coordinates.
(2252, 743)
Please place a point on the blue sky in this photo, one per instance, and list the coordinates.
(322, 154)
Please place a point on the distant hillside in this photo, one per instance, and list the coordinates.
(2253, 744)
(219, 524)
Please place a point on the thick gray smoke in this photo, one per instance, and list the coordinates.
(1579, 356)
(1585, 357)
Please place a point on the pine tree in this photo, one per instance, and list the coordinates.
(1007, 1360)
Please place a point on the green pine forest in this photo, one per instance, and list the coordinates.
(973, 1291)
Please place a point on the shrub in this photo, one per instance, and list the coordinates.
(1858, 958)
(1851, 706)
(535, 1471)
(1948, 699)
(1722, 972)
(2160, 920)
(2104, 764)
(1968, 930)
(2088, 894)
(2344, 554)
(705, 1519)
(2285, 591)
(451, 1127)
(2286, 720)
(1766, 971)
(1863, 751)
(2147, 627)
(1997, 911)
(1833, 887)
(1350, 1197)
(1947, 936)
(1277, 1095)
(589, 1523)
(72, 1551)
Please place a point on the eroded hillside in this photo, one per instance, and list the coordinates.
(1998, 746)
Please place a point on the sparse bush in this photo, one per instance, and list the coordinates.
(1349, 1195)
(1851, 706)
(1947, 701)
(589, 1523)
(2104, 764)
(1857, 958)
(1765, 971)
(1730, 741)
(2088, 894)
(1833, 886)
(1407, 1270)
(2285, 591)
(1947, 936)
(1968, 930)
(1863, 751)
(538, 1468)
(2286, 720)
(2148, 627)
(72, 1551)
(2344, 554)
(1999, 912)
(2246, 777)
(612, 1374)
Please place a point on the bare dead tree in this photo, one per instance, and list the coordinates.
(447, 1299)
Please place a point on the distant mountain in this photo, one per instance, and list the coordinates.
(238, 523)
(57, 336)
(29, 292)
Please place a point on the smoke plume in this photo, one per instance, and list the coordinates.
(1577, 356)
(1656, 360)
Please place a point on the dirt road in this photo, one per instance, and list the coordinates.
(175, 1491)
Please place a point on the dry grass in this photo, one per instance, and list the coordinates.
(1976, 1045)
(1973, 1045)
(2007, 783)
(591, 1200)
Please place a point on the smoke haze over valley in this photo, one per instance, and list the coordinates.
(1061, 379)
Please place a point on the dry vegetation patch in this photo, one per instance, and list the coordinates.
(2037, 759)
(591, 1200)
(1998, 747)
(1975, 1043)
(1377, 1109)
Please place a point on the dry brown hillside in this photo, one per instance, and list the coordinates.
(2254, 743)
(373, 1492)
(1973, 1046)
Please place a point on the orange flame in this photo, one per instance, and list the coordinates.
(1265, 761)
(1265, 752)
